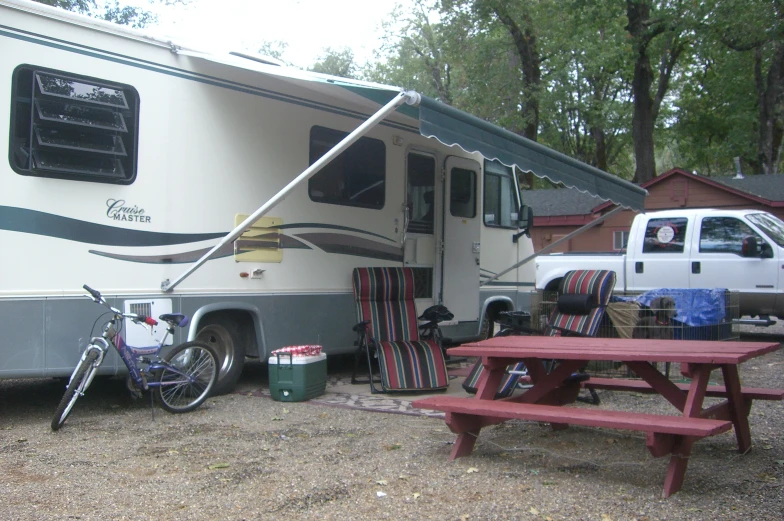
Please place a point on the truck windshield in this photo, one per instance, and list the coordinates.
(770, 224)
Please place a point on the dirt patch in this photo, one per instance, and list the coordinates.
(245, 456)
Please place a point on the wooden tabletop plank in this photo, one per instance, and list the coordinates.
(617, 349)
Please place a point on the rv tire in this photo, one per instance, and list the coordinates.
(222, 334)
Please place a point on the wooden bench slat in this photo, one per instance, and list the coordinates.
(716, 391)
(576, 416)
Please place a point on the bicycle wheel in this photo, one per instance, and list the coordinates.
(190, 379)
(75, 389)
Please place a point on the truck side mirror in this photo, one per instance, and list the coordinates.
(525, 219)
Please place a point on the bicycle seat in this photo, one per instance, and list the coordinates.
(175, 319)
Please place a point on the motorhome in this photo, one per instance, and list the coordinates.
(241, 193)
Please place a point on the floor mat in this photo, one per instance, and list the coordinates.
(340, 392)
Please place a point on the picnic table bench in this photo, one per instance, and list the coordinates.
(544, 401)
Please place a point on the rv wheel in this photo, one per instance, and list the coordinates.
(223, 336)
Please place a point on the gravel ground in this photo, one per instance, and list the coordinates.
(245, 457)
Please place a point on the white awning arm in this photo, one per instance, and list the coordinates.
(550, 247)
(410, 97)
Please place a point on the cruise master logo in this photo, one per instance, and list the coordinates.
(118, 210)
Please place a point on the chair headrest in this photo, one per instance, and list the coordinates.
(599, 283)
(576, 303)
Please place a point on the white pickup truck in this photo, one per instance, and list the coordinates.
(740, 250)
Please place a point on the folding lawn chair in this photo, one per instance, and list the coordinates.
(389, 332)
(583, 296)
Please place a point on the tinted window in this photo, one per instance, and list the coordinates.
(665, 235)
(356, 177)
(724, 235)
(462, 193)
(770, 224)
(420, 197)
(500, 204)
(73, 127)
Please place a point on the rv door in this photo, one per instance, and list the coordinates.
(460, 259)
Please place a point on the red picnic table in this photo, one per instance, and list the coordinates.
(544, 401)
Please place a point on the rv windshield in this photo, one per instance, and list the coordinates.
(770, 224)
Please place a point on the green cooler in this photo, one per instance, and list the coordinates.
(296, 378)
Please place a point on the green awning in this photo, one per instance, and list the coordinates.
(454, 127)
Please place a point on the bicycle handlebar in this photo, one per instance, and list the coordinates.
(96, 295)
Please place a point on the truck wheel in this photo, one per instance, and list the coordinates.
(223, 336)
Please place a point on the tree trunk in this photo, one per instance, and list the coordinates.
(526, 45)
(770, 92)
(600, 152)
(530, 63)
(638, 13)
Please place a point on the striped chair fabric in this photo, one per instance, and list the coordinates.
(598, 283)
(385, 297)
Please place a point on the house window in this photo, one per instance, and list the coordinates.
(73, 127)
(356, 177)
(665, 235)
(500, 204)
(620, 239)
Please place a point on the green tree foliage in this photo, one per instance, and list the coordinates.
(274, 49)
(112, 10)
(717, 115)
(732, 105)
(337, 62)
(620, 85)
(417, 52)
(587, 99)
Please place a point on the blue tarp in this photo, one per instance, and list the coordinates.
(695, 307)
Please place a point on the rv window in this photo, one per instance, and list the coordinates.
(72, 127)
(356, 177)
(420, 197)
(500, 203)
(462, 193)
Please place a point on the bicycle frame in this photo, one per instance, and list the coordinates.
(130, 356)
(182, 378)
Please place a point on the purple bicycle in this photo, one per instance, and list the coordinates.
(181, 379)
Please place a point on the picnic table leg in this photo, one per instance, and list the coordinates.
(486, 388)
(737, 407)
(468, 428)
(682, 447)
(677, 467)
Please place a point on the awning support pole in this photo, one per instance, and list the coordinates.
(550, 247)
(410, 97)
